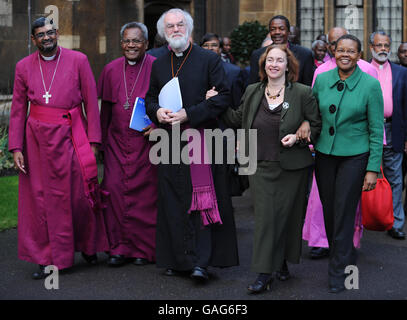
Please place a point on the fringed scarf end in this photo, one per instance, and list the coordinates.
(204, 200)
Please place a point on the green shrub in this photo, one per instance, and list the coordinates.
(6, 158)
(246, 38)
(8, 202)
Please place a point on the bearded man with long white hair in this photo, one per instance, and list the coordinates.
(195, 223)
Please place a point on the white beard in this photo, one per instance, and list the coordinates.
(177, 43)
(380, 57)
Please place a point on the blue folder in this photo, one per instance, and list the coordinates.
(139, 119)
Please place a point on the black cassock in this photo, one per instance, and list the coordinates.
(181, 240)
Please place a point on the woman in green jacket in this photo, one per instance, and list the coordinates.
(349, 150)
(276, 107)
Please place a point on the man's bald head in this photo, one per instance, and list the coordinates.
(333, 35)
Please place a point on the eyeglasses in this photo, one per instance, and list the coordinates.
(133, 41)
(179, 25)
(49, 33)
(342, 51)
(380, 45)
(210, 45)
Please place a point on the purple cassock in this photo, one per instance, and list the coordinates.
(129, 176)
(54, 216)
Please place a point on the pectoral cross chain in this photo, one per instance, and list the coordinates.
(46, 96)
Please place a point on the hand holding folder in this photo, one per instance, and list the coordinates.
(139, 119)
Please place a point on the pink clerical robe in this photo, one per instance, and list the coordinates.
(54, 216)
(128, 174)
(314, 226)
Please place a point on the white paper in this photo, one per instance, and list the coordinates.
(170, 96)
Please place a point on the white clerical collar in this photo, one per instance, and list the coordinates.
(49, 58)
(132, 63)
(180, 54)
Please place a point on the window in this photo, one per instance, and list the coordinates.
(310, 20)
(389, 18)
(6, 13)
(349, 14)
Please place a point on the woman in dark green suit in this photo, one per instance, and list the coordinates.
(348, 152)
(276, 107)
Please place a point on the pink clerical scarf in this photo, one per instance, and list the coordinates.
(87, 160)
(203, 190)
(386, 82)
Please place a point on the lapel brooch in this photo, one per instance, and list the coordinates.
(286, 105)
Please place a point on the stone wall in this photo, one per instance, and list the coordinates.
(264, 10)
(90, 26)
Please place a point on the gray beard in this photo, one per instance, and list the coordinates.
(177, 44)
(380, 57)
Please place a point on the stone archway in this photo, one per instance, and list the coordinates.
(152, 12)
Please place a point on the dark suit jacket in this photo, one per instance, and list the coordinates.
(235, 79)
(399, 117)
(303, 55)
(201, 71)
(158, 52)
(302, 106)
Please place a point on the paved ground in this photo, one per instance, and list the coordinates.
(382, 269)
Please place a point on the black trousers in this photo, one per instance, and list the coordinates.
(202, 239)
(340, 181)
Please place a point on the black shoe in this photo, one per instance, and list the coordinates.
(40, 274)
(283, 274)
(262, 283)
(170, 272)
(140, 261)
(116, 260)
(318, 253)
(92, 259)
(336, 289)
(199, 273)
(397, 233)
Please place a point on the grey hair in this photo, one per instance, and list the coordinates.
(316, 42)
(132, 25)
(380, 32)
(188, 19)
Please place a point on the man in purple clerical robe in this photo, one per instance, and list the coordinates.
(57, 211)
(129, 176)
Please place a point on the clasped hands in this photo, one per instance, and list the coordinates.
(168, 116)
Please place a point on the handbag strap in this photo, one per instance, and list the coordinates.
(381, 169)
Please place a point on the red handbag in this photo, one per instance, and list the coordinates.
(377, 206)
